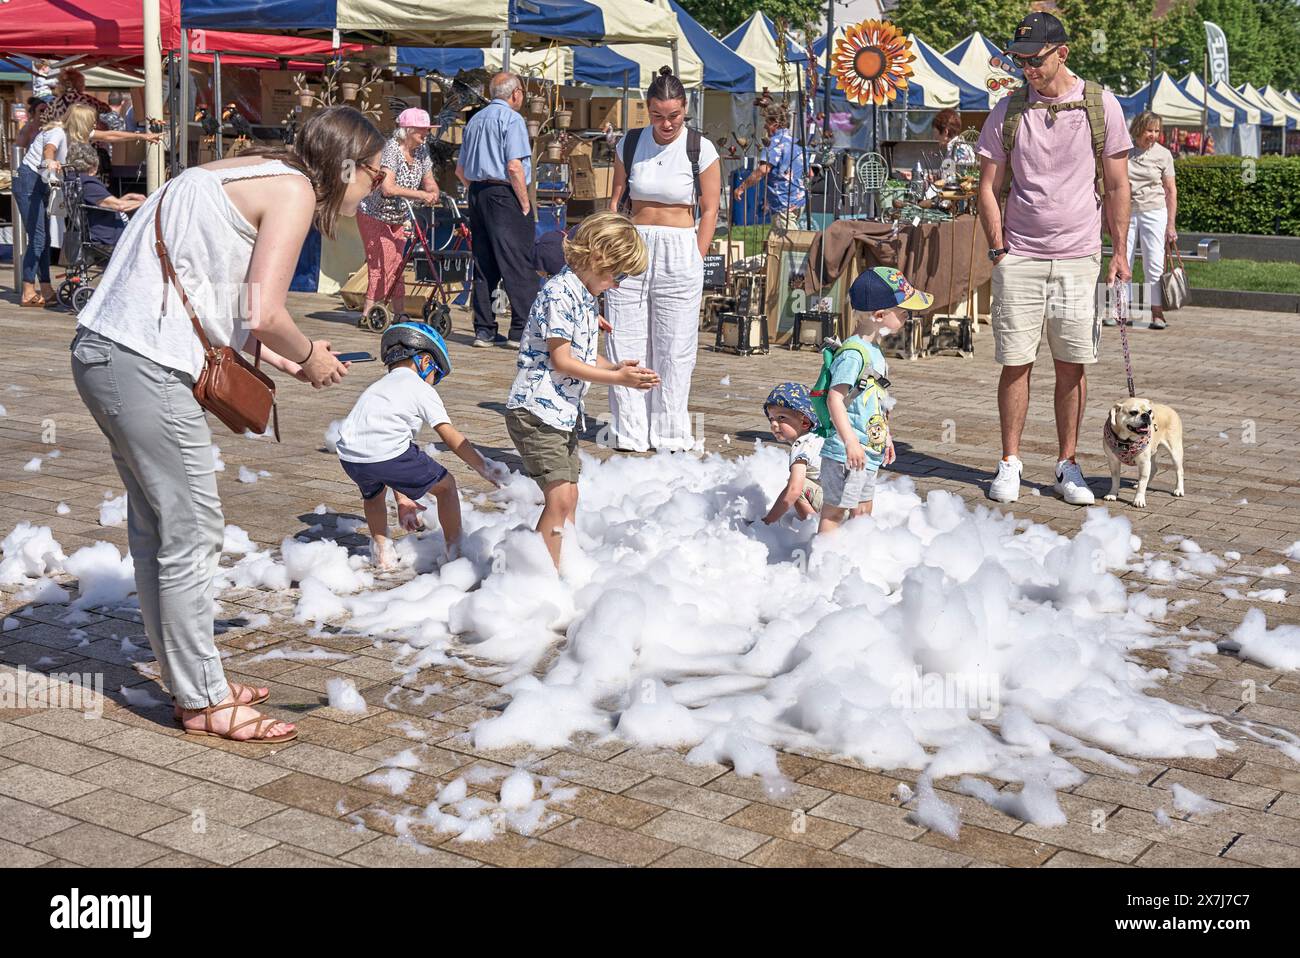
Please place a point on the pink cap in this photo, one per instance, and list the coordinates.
(413, 118)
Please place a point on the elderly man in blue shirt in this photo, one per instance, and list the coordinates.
(783, 163)
(496, 165)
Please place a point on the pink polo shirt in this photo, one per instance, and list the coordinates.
(1052, 212)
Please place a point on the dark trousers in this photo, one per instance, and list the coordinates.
(502, 238)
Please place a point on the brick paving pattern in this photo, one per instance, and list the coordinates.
(127, 789)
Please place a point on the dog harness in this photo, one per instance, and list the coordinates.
(1125, 450)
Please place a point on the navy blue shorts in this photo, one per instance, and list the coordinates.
(412, 474)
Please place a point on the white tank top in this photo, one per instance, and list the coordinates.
(210, 243)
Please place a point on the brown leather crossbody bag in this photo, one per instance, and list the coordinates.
(237, 393)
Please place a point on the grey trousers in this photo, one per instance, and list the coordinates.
(162, 449)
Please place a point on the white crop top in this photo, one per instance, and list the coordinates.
(662, 174)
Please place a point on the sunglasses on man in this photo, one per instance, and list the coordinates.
(1036, 61)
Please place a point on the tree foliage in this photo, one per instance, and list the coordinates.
(943, 23)
(720, 17)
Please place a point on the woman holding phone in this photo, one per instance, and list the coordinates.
(233, 230)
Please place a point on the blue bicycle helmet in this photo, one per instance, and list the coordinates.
(410, 340)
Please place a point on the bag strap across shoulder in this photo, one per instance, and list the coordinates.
(171, 279)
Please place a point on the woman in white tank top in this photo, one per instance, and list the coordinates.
(656, 316)
(233, 231)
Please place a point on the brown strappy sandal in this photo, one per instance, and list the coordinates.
(260, 723)
(235, 690)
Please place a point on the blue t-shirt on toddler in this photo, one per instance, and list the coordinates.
(866, 415)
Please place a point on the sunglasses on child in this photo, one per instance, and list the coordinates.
(1037, 61)
(619, 277)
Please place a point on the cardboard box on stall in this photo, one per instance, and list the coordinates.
(279, 96)
(577, 100)
(609, 110)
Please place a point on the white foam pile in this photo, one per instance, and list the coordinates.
(680, 624)
(933, 636)
(518, 805)
(112, 511)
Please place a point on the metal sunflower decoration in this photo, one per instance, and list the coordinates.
(871, 61)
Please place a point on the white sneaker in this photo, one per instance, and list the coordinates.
(1006, 484)
(1070, 484)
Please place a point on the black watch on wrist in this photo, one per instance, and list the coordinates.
(995, 253)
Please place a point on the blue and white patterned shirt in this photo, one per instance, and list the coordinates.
(785, 186)
(564, 309)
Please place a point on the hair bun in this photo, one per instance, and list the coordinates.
(665, 71)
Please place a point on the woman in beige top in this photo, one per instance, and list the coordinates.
(1155, 207)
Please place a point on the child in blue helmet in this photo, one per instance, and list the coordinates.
(790, 411)
(377, 449)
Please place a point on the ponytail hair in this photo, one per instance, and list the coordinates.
(666, 86)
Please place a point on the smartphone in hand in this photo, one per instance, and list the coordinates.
(355, 357)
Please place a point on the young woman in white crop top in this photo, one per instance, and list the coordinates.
(656, 315)
(233, 231)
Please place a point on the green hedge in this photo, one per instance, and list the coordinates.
(1226, 194)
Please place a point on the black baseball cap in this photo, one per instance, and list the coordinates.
(1036, 31)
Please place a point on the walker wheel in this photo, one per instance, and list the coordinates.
(80, 297)
(438, 315)
(64, 293)
(379, 317)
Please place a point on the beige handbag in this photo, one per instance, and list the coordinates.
(1173, 284)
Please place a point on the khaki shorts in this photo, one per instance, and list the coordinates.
(549, 454)
(1029, 293)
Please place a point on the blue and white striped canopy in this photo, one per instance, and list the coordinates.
(1169, 102)
(1195, 90)
(441, 23)
(702, 59)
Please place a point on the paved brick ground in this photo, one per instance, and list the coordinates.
(126, 789)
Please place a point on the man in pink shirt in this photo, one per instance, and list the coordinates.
(1046, 245)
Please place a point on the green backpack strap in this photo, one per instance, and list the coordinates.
(1017, 104)
(1093, 106)
(866, 380)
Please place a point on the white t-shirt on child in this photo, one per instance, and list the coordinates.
(388, 417)
(808, 450)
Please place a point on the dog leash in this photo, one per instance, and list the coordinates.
(1120, 293)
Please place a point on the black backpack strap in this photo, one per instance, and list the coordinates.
(693, 154)
(630, 141)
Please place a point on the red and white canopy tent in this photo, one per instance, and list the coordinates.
(113, 30)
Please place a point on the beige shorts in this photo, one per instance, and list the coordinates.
(548, 454)
(1029, 293)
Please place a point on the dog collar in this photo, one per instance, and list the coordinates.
(1125, 450)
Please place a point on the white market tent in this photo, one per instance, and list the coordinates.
(1270, 94)
(755, 41)
(1280, 117)
(975, 56)
(1243, 140)
(1173, 105)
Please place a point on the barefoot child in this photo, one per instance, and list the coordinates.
(790, 411)
(860, 443)
(559, 359)
(376, 445)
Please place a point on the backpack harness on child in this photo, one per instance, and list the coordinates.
(1091, 104)
(866, 382)
(630, 142)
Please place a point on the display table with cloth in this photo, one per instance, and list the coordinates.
(945, 259)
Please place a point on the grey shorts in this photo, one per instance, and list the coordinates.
(844, 488)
